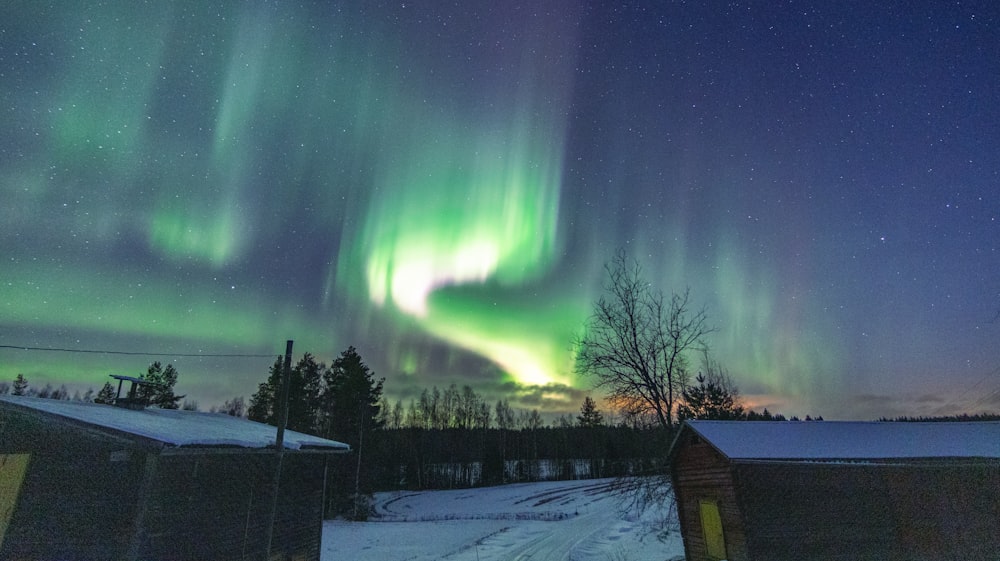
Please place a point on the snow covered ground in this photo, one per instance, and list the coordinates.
(558, 520)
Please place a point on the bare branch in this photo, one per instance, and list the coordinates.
(636, 343)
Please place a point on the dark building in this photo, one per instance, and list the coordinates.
(838, 490)
(88, 481)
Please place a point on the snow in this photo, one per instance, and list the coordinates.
(817, 440)
(175, 427)
(578, 520)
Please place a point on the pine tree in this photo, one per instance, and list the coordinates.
(165, 398)
(262, 403)
(350, 413)
(589, 415)
(350, 402)
(713, 398)
(146, 392)
(20, 385)
(106, 395)
(303, 395)
(160, 391)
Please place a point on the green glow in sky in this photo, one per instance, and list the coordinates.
(132, 302)
(528, 336)
(439, 185)
(763, 338)
(469, 197)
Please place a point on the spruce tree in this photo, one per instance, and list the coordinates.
(106, 395)
(351, 398)
(303, 394)
(20, 385)
(262, 403)
(713, 398)
(589, 415)
(350, 411)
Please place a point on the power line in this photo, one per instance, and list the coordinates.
(955, 400)
(134, 353)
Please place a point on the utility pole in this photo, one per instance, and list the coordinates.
(286, 382)
(279, 441)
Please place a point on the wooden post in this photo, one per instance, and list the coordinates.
(286, 372)
(279, 441)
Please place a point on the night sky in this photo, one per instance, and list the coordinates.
(440, 184)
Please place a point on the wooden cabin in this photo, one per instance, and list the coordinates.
(837, 490)
(88, 481)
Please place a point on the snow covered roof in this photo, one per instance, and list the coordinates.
(175, 427)
(844, 440)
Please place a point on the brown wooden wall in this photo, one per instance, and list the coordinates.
(699, 472)
(77, 499)
(218, 506)
(916, 512)
(82, 497)
(793, 510)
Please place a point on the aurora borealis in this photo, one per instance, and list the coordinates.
(440, 185)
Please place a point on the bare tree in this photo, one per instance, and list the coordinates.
(235, 407)
(637, 343)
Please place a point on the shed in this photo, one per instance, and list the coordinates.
(89, 481)
(837, 490)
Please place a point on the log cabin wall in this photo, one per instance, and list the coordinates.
(701, 473)
(86, 493)
(809, 491)
(218, 506)
(870, 511)
(77, 498)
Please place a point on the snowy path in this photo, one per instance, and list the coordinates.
(570, 520)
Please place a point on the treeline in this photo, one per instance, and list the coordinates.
(455, 438)
(419, 458)
(444, 438)
(963, 418)
(20, 386)
(159, 393)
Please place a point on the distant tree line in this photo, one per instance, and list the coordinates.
(160, 393)
(963, 418)
(504, 445)
(449, 438)
(455, 438)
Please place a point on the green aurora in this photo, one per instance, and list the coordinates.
(439, 188)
